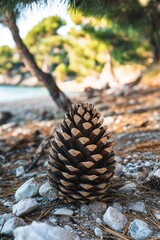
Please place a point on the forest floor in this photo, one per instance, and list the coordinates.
(133, 117)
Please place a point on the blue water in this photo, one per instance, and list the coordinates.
(15, 93)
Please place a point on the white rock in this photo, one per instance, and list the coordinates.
(119, 169)
(139, 230)
(64, 211)
(28, 189)
(98, 232)
(20, 171)
(127, 188)
(48, 192)
(99, 221)
(117, 206)
(114, 219)
(52, 220)
(118, 159)
(24, 206)
(41, 231)
(4, 217)
(137, 206)
(157, 173)
(11, 224)
(8, 204)
(84, 208)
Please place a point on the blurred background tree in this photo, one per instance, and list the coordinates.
(8, 19)
(126, 30)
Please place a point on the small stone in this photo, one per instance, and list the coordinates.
(52, 220)
(129, 187)
(129, 157)
(48, 192)
(119, 169)
(8, 204)
(98, 232)
(125, 161)
(147, 164)
(99, 221)
(41, 231)
(157, 173)
(114, 219)
(63, 211)
(137, 207)
(139, 230)
(28, 189)
(68, 228)
(20, 171)
(99, 208)
(24, 206)
(84, 208)
(118, 159)
(4, 217)
(11, 224)
(117, 206)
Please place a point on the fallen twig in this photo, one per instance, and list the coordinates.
(38, 153)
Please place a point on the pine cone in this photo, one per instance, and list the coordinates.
(81, 157)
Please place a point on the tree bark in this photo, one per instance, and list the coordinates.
(57, 95)
(154, 33)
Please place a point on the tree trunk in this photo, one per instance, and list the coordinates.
(154, 34)
(57, 95)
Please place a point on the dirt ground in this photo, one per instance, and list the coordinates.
(133, 117)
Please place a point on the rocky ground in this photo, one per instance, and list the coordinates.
(30, 208)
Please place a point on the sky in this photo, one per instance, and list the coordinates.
(31, 17)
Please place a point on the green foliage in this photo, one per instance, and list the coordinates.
(8, 61)
(46, 28)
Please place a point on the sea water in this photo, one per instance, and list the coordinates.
(15, 93)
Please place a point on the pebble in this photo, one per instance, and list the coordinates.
(11, 224)
(114, 219)
(117, 206)
(99, 221)
(139, 230)
(52, 220)
(98, 207)
(24, 206)
(20, 171)
(85, 209)
(28, 189)
(63, 211)
(137, 207)
(118, 159)
(119, 169)
(147, 164)
(4, 217)
(48, 192)
(98, 232)
(129, 187)
(41, 231)
(8, 204)
(157, 173)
